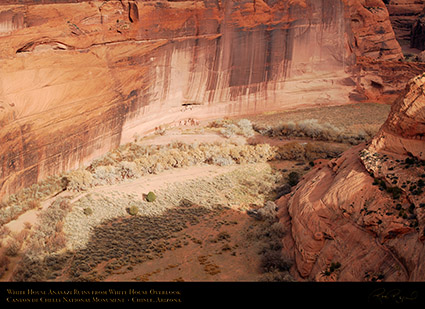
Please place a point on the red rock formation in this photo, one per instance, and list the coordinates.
(403, 15)
(366, 209)
(80, 77)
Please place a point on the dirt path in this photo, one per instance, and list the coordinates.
(161, 180)
(30, 216)
(137, 186)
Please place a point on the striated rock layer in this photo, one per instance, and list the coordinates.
(403, 15)
(78, 78)
(365, 211)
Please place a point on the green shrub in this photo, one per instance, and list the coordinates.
(151, 197)
(333, 267)
(88, 211)
(133, 210)
(395, 192)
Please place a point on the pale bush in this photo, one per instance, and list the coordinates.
(127, 169)
(157, 168)
(229, 130)
(279, 229)
(4, 231)
(246, 127)
(221, 161)
(79, 180)
(55, 242)
(268, 211)
(105, 175)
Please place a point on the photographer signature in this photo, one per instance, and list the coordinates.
(383, 295)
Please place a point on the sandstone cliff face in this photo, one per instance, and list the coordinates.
(403, 15)
(366, 209)
(78, 78)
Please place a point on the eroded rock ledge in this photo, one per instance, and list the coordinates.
(366, 209)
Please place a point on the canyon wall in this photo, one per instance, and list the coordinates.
(78, 78)
(403, 15)
(365, 211)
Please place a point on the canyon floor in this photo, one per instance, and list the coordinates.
(213, 218)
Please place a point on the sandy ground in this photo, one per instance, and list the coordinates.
(208, 256)
(205, 254)
(17, 225)
(223, 246)
(220, 246)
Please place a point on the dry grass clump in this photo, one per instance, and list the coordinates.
(347, 117)
(313, 129)
(12, 247)
(274, 264)
(175, 207)
(79, 180)
(78, 225)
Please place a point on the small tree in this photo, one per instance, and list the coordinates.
(151, 197)
(88, 211)
(133, 210)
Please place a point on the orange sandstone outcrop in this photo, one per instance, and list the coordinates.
(403, 15)
(78, 78)
(365, 210)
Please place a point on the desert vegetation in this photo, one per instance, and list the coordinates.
(350, 118)
(29, 198)
(131, 161)
(274, 265)
(313, 129)
(90, 230)
(134, 160)
(230, 128)
(101, 244)
(323, 133)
